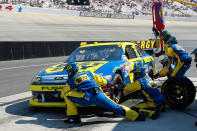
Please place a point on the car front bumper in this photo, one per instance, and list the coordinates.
(35, 102)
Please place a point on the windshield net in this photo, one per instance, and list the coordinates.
(96, 53)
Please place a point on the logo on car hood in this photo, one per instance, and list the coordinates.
(83, 66)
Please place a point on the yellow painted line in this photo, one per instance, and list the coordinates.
(18, 67)
(184, 2)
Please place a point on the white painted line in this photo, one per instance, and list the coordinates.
(27, 66)
(162, 79)
(15, 97)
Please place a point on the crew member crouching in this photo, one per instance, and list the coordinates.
(177, 56)
(83, 88)
(153, 100)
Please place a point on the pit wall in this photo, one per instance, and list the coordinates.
(26, 50)
(38, 49)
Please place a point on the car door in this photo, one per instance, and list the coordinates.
(145, 57)
(148, 61)
(133, 57)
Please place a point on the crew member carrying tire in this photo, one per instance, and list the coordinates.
(178, 90)
(83, 88)
(153, 100)
(176, 55)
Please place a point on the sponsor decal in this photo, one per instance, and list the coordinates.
(59, 78)
(128, 66)
(147, 44)
(56, 68)
(85, 66)
(52, 88)
(124, 58)
(147, 60)
(106, 15)
(90, 66)
(81, 79)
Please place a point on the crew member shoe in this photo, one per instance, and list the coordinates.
(155, 115)
(162, 108)
(141, 117)
(73, 119)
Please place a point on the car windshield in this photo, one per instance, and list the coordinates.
(96, 53)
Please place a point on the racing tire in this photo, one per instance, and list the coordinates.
(178, 92)
(151, 72)
(117, 91)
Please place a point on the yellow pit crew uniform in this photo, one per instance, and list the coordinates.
(181, 60)
(83, 88)
(153, 99)
(176, 55)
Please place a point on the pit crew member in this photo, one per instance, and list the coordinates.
(153, 100)
(83, 88)
(177, 56)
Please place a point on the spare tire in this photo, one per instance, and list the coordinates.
(178, 92)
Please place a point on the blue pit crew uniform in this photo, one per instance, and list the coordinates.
(179, 57)
(195, 54)
(153, 100)
(83, 88)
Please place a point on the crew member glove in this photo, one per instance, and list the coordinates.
(155, 31)
(121, 85)
(157, 54)
(156, 76)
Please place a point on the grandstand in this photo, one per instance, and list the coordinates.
(137, 7)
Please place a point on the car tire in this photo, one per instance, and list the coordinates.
(178, 93)
(117, 91)
(151, 72)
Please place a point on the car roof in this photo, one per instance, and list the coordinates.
(84, 44)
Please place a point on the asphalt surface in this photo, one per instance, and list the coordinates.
(15, 76)
(45, 27)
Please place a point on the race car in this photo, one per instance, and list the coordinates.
(114, 61)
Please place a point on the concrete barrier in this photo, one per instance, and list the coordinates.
(25, 50)
(37, 49)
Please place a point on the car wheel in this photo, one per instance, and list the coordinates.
(151, 72)
(178, 93)
(117, 91)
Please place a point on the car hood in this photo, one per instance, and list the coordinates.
(99, 67)
(56, 74)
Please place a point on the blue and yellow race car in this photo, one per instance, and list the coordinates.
(114, 61)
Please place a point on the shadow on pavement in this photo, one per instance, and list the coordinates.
(170, 120)
(53, 117)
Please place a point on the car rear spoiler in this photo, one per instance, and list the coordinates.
(151, 46)
(147, 45)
